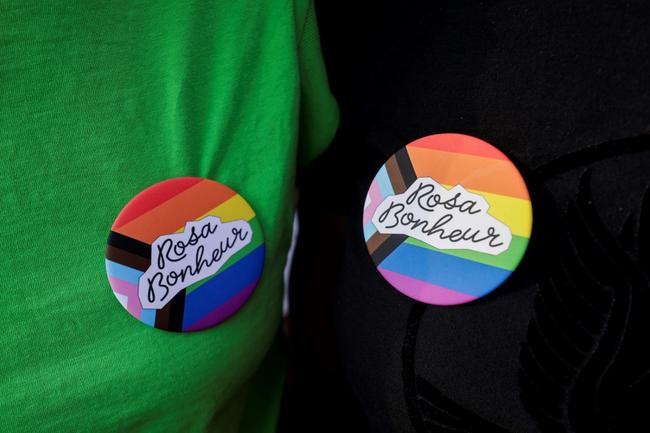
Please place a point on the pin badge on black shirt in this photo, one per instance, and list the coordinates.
(447, 219)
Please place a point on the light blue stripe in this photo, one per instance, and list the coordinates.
(369, 229)
(148, 316)
(122, 272)
(383, 181)
(454, 273)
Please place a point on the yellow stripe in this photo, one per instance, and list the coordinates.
(235, 208)
(514, 212)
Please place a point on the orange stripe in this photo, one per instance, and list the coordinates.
(178, 210)
(472, 172)
(459, 143)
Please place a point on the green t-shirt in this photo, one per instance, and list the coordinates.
(100, 100)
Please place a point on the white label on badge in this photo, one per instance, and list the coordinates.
(443, 218)
(179, 260)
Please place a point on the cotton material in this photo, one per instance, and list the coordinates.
(99, 101)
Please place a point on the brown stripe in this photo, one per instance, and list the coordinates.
(170, 317)
(162, 316)
(126, 258)
(395, 176)
(375, 241)
(387, 247)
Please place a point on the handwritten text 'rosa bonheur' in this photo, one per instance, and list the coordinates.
(443, 218)
(179, 260)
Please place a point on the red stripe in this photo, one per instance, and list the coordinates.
(152, 197)
(459, 143)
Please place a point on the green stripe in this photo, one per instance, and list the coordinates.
(508, 259)
(258, 239)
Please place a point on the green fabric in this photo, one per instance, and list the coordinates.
(99, 100)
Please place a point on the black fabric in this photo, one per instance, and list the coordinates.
(563, 88)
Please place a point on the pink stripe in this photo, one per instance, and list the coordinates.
(133, 304)
(223, 311)
(375, 200)
(423, 291)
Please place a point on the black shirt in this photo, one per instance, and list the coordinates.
(563, 88)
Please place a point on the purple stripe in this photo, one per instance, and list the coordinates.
(423, 291)
(223, 311)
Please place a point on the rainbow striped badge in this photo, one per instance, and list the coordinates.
(447, 219)
(185, 254)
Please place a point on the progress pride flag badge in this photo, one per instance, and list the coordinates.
(447, 219)
(185, 254)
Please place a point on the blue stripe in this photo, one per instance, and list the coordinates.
(122, 272)
(223, 286)
(385, 188)
(455, 273)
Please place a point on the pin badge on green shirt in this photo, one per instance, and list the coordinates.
(185, 254)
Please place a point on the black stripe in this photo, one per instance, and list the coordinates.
(387, 247)
(405, 167)
(176, 313)
(126, 258)
(129, 244)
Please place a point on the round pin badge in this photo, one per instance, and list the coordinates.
(185, 254)
(447, 219)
